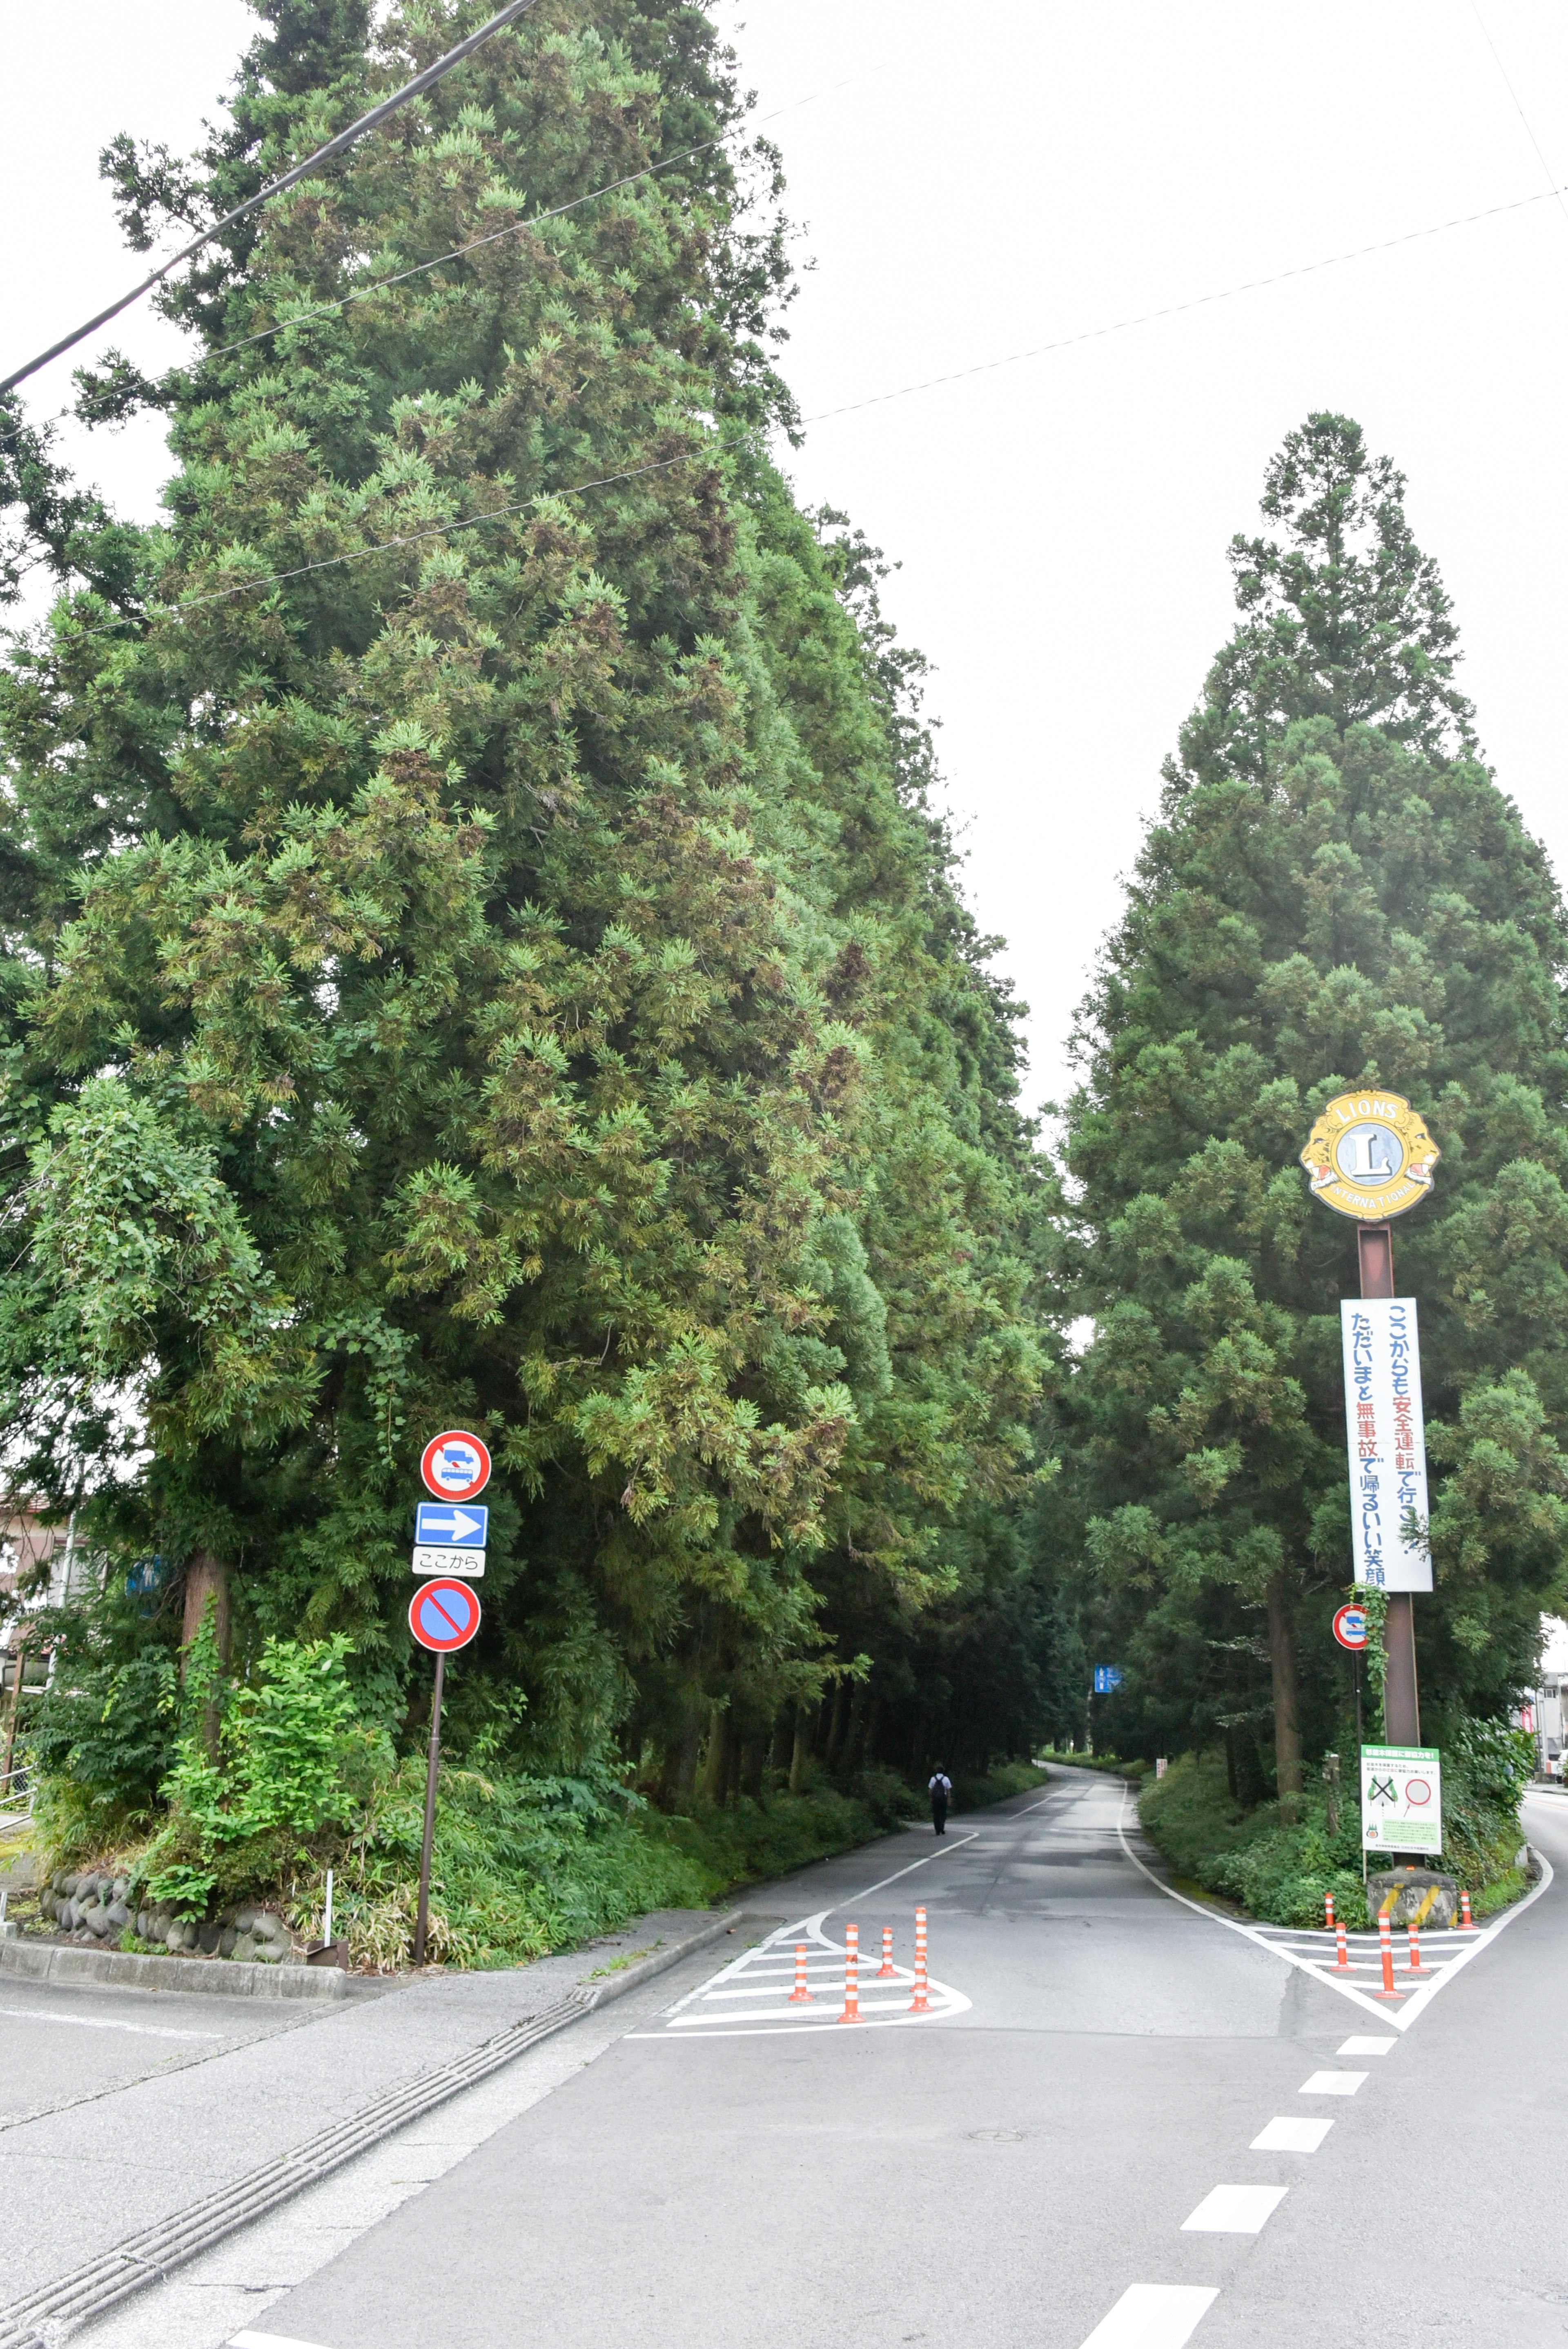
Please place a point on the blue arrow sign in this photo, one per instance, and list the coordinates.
(1105, 1677)
(455, 1526)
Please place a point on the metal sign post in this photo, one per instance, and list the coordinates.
(1370, 1157)
(442, 1616)
(422, 1918)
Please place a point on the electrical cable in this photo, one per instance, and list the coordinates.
(1197, 302)
(514, 228)
(344, 139)
(1519, 109)
(823, 416)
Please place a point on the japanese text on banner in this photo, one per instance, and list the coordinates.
(1387, 1440)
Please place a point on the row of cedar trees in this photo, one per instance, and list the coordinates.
(508, 973)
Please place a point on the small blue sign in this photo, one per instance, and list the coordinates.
(1105, 1677)
(455, 1525)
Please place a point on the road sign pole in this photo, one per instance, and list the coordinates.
(422, 1920)
(1401, 1695)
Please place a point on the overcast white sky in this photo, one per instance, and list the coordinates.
(1001, 176)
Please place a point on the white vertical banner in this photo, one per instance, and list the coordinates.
(1387, 1440)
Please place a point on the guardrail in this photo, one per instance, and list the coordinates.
(15, 1803)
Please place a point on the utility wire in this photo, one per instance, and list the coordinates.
(1197, 302)
(514, 228)
(823, 416)
(344, 139)
(1519, 109)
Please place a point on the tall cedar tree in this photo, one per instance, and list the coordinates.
(1335, 894)
(502, 971)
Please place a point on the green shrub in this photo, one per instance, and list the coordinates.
(1280, 1868)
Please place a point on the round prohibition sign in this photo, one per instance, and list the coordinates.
(1350, 1626)
(443, 1616)
(1417, 1793)
(455, 1466)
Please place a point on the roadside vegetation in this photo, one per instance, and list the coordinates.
(1278, 1861)
(481, 947)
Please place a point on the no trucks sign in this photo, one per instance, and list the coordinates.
(1401, 1798)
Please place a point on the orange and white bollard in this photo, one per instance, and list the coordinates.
(1341, 1953)
(1415, 1965)
(851, 2012)
(920, 2003)
(1465, 1911)
(1328, 1912)
(799, 1993)
(1386, 1952)
(887, 1970)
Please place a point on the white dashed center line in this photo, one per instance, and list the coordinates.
(1153, 2316)
(1331, 2083)
(1285, 2135)
(1364, 2047)
(1234, 2211)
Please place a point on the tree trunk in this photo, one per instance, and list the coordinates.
(207, 1592)
(1286, 1712)
(715, 1780)
(850, 1759)
(802, 1752)
(836, 1727)
(690, 1754)
(207, 1578)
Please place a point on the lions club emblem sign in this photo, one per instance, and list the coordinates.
(1370, 1156)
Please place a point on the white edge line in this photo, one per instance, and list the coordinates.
(1416, 2000)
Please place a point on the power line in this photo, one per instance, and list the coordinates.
(514, 228)
(1518, 109)
(823, 416)
(344, 139)
(1177, 310)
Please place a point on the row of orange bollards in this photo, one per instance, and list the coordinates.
(919, 2004)
(1385, 1945)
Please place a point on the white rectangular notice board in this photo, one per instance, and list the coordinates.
(1386, 1437)
(1401, 1798)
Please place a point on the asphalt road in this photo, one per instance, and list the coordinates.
(63, 2044)
(1023, 2165)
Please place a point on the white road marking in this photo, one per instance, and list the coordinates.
(1234, 2211)
(1154, 2316)
(767, 1971)
(1268, 1938)
(1331, 2083)
(106, 2023)
(1364, 2047)
(1285, 2135)
(267, 2340)
(956, 1846)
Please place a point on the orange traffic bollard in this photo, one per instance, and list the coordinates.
(1386, 1952)
(1328, 1912)
(920, 2003)
(1341, 1954)
(887, 1970)
(799, 1991)
(1465, 1911)
(851, 2012)
(1415, 1965)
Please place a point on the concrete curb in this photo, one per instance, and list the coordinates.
(57, 1961)
(658, 1960)
(144, 2258)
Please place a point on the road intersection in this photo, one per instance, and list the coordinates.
(1131, 2123)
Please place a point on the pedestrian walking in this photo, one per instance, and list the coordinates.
(940, 1792)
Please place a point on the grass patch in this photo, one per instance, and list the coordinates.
(1112, 1764)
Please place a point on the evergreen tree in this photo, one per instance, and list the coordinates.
(480, 949)
(1335, 894)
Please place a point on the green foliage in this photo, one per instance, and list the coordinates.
(1280, 1867)
(1276, 1868)
(506, 970)
(1335, 894)
(292, 1758)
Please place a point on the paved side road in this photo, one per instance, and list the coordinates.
(1140, 2127)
